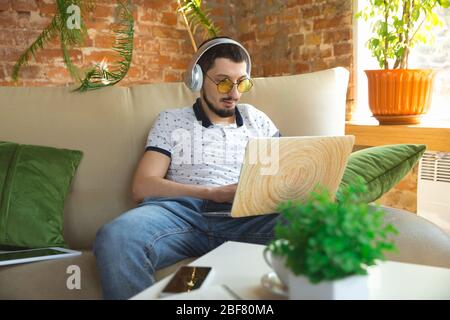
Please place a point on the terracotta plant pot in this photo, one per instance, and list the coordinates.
(400, 96)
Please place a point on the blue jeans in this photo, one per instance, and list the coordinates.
(162, 231)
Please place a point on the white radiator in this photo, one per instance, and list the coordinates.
(433, 190)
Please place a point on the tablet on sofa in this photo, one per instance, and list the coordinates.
(31, 255)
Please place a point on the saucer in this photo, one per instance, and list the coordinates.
(271, 282)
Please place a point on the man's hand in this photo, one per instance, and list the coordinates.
(223, 193)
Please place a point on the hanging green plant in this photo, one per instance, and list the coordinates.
(74, 34)
(58, 26)
(102, 74)
(194, 16)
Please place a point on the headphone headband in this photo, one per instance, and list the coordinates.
(194, 75)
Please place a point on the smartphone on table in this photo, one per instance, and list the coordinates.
(187, 278)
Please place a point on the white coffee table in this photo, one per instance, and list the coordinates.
(241, 266)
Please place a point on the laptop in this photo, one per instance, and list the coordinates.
(285, 168)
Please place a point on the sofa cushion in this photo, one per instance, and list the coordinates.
(49, 279)
(34, 182)
(380, 168)
(295, 105)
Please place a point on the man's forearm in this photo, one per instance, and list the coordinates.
(160, 187)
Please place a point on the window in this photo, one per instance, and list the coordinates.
(435, 55)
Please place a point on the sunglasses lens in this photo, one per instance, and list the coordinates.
(225, 86)
(245, 85)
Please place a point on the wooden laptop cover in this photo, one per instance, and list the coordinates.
(288, 168)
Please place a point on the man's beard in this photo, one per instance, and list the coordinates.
(223, 113)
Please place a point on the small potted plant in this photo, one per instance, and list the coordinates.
(398, 95)
(327, 244)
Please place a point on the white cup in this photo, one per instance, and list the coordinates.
(277, 263)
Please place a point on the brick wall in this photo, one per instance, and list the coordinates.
(284, 37)
(298, 36)
(161, 50)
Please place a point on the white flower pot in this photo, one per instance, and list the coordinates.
(353, 288)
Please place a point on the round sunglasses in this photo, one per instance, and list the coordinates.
(226, 85)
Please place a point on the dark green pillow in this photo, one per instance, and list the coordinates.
(34, 182)
(381, 168)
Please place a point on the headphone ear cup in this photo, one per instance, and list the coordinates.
(196, 78)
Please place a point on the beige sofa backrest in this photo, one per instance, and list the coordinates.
(111, 125)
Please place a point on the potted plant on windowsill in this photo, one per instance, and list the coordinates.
(398, 95)
(327, 245)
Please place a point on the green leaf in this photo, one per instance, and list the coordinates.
(415, 14)
(198, 17)
(444, 3)
(392, 25)
(103, 75)
(325, 239)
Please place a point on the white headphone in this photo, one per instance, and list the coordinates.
(194, 76)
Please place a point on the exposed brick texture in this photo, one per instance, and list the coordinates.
(297, 36)
(162, 48)
(284, 37)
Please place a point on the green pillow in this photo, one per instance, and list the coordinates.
(381, 168)
(34, 182)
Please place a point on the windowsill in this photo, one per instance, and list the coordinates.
(425, 123)
(435, 134)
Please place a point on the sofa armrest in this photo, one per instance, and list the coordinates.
(419, 240)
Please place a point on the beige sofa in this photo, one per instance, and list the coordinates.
(111, 125)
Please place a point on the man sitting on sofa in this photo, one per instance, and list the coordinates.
(191, 165)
